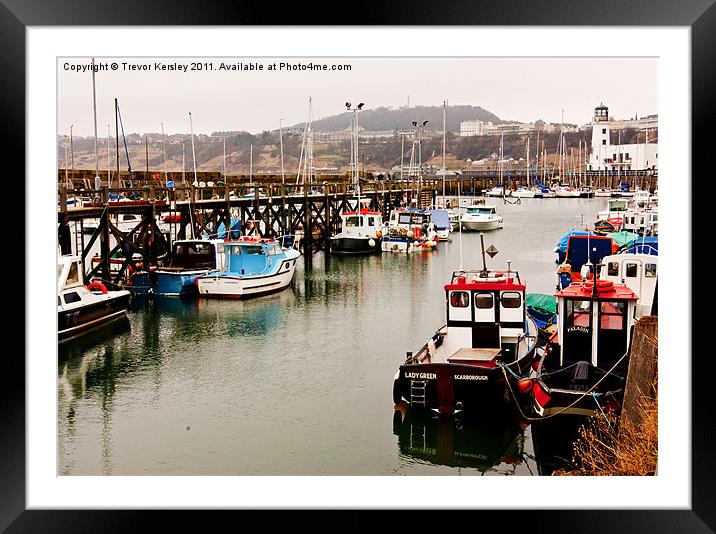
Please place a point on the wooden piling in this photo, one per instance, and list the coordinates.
(642, 372)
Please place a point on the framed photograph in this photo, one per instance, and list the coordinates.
(313, 267)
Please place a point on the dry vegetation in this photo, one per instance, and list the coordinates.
(624, 449)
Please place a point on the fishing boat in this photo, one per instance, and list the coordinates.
(612, 218)
(561, 247)
(409, 230)
(481, 218)
(251, 267)
(460, 366)
(360, 233)
(639, 272)
(581, 249)
(189, 259)
(583, 368)
(443, 226)
(82, 308)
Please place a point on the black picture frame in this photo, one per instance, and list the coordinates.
(699, 15)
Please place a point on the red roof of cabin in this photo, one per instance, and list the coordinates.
(613, 292)
(470, 284)
(363, 211)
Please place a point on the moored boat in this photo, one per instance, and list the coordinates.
(251, 267)
(460, 366)
(580, 250)
(480, 218)
(81, 308)
(409, 230)
(360, 233)
(443, 226)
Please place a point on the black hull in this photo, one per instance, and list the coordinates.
(71, 323)
(448, 388)
(351, 245)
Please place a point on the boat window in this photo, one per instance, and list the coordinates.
(578, 312)
(235, 249)
(371, 221)
(631, 270)
(275, 249)
(611, 316)
(130, 217)
(219, 248)
(72, 297)
(511, 299)
(404, 218)
(253, 250)
(459, 299)
(483, 301)
(613, 268)
(72, 276)
(352, 222)
(650, 270)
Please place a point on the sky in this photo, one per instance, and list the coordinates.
(522, 89)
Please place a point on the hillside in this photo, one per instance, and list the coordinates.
(388, 119)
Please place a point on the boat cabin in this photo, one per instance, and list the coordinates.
(250, 257)
(638, 272)
(485, 312)
(595, 324)
(481, 210)
(582, 249)
(363, 223)
(409, 219)
(70, 278)
(196, 254)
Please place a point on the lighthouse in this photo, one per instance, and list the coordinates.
(600, 137)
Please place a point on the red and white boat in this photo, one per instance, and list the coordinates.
(583, 369)
(460, 367)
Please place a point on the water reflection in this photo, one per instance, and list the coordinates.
(552, 440)
(492, 445)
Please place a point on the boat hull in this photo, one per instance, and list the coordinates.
(403, 245)
(355, 245)
(172, 284)
(242, 287)
(478, 226)
(75, 321)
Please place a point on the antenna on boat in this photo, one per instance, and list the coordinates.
(193, 152)
(97, 179)
(482, 248)
(459, 215)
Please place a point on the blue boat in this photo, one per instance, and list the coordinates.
(441, 220)
(582, 249)
(251, 267)
(190, 258)
(643, 245)
(561, 247)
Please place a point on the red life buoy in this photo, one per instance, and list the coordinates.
(602, 286)
(98, 286)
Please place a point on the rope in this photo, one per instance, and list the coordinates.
(589, 391)
(594, 396)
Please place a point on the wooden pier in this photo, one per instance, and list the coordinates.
(275, 209)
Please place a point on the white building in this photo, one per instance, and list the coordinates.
(605, 156)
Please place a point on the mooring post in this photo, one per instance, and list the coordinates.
(104, 246)
(642, 373)
(327, 216)
(307, 231)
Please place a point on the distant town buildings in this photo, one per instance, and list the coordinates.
(477, 127)
(606, 156)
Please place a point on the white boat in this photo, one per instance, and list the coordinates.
(360, 233)
(251, 267)
(523, 192)
(480, 218)
(638, 272)
(497, 191)
(566, 191)
(602, 192)
(81, 308)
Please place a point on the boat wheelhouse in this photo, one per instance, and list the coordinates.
(81, 308)
(638, 272)
(481, 218)
(583, 369)
(189, 259)
(580, 250)
(612, 218)
(460, 366)
(360, 233)
(251, 267)
(409, 230)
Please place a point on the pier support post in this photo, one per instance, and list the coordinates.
(642, 368)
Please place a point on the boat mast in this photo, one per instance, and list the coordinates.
(444, 139)
(527, 181)
(402, 154)
(97, 179)
(251, 163)
(109, 171)
(164, 150)
(67, 166)
(502, 157)
(183, 162)
(72, 151)
(280, 139)
(193, 151)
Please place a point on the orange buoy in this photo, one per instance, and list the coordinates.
(524, 385)
(99, 286)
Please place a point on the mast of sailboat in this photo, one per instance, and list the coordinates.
(402, 154)
(280, 140)
(502, 156)
(193, 151)
(72, 152)
(67, 166)
(251, 163)
(183, 162)
(528, 162)
(116, 133)
(459, 218)
(444, 139)
(164, 150)
(537, 157)
(146, 151)
(97, 179)
(109, 171)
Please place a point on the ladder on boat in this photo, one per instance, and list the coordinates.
(417, 392)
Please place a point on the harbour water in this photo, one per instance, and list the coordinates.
(300, 382)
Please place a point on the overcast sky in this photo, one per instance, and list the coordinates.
(514, 89)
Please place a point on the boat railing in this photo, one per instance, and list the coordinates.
(478, 273)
